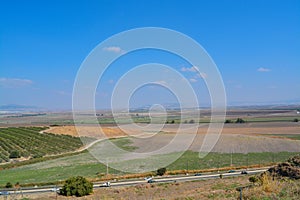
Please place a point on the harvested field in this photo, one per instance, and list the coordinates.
(247, 128)
(89, 131)
(237, 138)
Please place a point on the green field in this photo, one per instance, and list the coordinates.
(84, 164)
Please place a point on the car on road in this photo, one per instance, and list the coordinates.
(198, 174)
(4, 193)
(106, 184)
(150, 181)
(55, 189)
(231, 171)
(244, 172)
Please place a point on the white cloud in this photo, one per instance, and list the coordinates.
(191, 69)
(14, 82)
(114, 49)
(192, 80)
(262, 69)
(162, 82)
(196, 70)
(202, 75)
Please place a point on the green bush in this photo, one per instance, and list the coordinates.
(14, 154)
(295, 120)
(161, 171)
(192, 121)
(77, 186)
(8, 185)
(253, 179)
(239, 121)
(228, 121)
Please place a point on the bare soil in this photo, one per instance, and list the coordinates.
(236, 138)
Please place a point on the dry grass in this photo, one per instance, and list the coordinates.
(269, 188)
(244, 129)
(89, 131)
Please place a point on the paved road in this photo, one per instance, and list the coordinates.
(136, 182)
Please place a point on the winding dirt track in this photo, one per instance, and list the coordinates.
(238, 138)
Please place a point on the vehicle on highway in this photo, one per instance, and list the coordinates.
(198, 174)
(244, 172)
(4, 193)
(231, 171)
(55, 189)
(106, 184)
(149, 180)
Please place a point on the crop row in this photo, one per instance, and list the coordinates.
(29, 142)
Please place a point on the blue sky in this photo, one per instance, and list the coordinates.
(255, 45)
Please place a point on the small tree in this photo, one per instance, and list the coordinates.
(14, 154)
(228, 121)
(295, 120)
(78, 186)
(172, 122)
(253, 179)
(192, 121)
(8, 185)
(239, 121)
(161, 171)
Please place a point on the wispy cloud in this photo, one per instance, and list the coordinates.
(262, 69)
(192, 80)
(202, 75)
(14, 82)
(111, 81)
(196, 71)
(162, 82)
(190, 69)
(114, 49)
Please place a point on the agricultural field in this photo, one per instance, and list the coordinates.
(28, 142)
(241, 145)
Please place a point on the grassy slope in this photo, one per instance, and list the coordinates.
(85, 165)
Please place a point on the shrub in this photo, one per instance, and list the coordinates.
(192, 121)
(295, 160)
(8, 185)
(253, 179)
(228, 121)
(295, 120)
(161, 171)
(239, 121)
(14, 154)
(78, 186)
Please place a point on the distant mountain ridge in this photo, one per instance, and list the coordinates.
(16, 107)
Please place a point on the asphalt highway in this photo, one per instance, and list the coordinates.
(99, 185)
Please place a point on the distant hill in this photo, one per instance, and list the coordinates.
(15, 108)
